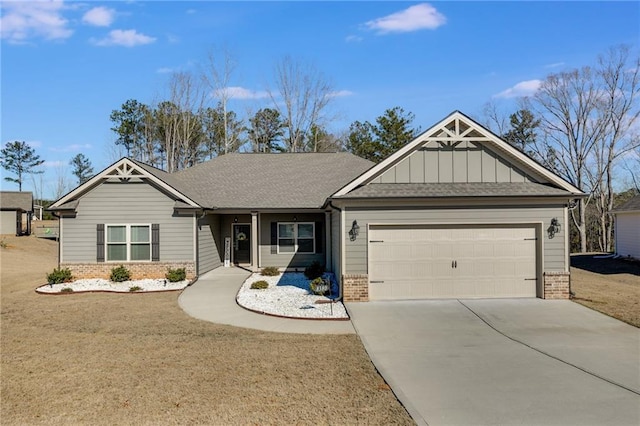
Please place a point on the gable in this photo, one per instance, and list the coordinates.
(458, 150)
(464, 161)
(123, 171)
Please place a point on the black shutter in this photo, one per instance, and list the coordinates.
(100, 242)
(274, 237)
(319, 237)
(155, 242)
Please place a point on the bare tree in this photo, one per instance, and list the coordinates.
(220, 67)
(620, 110)
(587, 116)
(301, 97)
(62, 184)
(178, 122)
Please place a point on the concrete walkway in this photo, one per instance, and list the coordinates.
(213, 298)
(508, 361)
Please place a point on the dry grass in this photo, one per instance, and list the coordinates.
(610, 286)
(124, 359)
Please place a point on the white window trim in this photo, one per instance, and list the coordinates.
(127, 241)
(295, 237)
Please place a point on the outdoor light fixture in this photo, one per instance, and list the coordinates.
(553, 228)
(355, 230)
(295, 218)
(235, 219)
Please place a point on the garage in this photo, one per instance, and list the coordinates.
(465, 261)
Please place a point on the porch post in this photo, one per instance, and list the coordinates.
(254, 241)
(327, 241)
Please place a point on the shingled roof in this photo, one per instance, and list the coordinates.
(440, 190)
(15, 200)
(631, 205)
(263, 181)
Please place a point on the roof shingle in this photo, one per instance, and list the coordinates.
(15, 200)
(436, 190)
(263, 181)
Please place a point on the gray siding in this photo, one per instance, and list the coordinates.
(209, 244)
(126, 203)
(288, 260)
(464, 162)
(628, 234)
(8, 221)
(553, 249)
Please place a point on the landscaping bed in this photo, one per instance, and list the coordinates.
(102, 285)
(289, 295)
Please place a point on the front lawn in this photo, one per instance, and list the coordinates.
(610, 286)
(115, 359)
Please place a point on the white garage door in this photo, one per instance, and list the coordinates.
(419, 262)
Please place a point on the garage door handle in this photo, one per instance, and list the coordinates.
(454, 263)
(376, 241)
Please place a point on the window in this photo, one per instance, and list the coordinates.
(296, 237)
(128, 243)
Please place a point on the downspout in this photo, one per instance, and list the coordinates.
(330, 204)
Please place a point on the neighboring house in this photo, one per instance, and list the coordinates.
(457, 212)
(627, 222)
(16, 211)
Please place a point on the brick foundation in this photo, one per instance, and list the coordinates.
(355, 288)
(139, 270)
(556, 285)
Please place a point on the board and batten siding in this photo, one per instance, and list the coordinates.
(209, 244)
(126, 203)
(553, 249)
(269, 255)
(628, 234)
(462, 163)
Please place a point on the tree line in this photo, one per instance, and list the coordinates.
(582, 124)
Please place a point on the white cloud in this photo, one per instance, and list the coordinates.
(554, 65)
(524, 88)
(340, 93)
(54, 164)
(164, 70)
(22, 21)
(419, 17)
(353, 39)
(99, 16)
(191, 11)
(76, 147)
(126, 38)
(236, 92)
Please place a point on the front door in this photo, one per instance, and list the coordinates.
(241, 243)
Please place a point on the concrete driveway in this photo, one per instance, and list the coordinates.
(515, 361)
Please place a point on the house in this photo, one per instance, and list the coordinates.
(627, 228)
(457, 212)
(16, 211)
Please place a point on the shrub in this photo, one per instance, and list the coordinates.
(313, 271)
(3, 244)
(59, 276)
(319, 286)
(270, 271)
(66, 290)
(259, 285)
(135, 288)
(120, 274)
(175, 275)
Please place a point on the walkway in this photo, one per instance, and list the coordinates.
(213, 298)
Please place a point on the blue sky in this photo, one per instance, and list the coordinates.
(67, 65)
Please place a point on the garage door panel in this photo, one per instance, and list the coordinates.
(422, 262)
